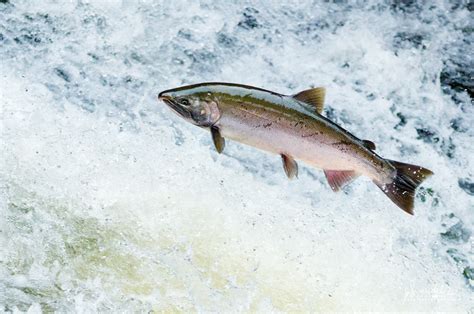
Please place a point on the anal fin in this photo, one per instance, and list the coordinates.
(338, 179)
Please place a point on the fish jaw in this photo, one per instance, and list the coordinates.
(175, 107)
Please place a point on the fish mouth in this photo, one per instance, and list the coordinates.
(174, 106)
(166, 99)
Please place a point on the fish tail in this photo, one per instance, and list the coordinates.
(402, 188)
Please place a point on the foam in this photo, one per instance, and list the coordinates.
(122, 206)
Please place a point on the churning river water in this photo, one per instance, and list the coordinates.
(110, 202)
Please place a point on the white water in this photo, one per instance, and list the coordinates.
(109, 202)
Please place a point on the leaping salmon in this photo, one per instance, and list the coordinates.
(294, 128)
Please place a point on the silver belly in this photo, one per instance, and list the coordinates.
(281, 138)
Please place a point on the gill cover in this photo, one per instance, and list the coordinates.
(205, 112)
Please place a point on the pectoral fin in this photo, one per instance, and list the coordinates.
(290, 166)
(338, 179)
(219, 141)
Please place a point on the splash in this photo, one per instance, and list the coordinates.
(109, 202)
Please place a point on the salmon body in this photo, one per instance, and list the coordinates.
(283, 125)
(294, 128)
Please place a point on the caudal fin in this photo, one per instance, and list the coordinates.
(402, 189)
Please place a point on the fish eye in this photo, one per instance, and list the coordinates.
(184, 102)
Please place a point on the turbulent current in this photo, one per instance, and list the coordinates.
(110, 202)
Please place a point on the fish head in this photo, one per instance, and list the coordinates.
(195, 106)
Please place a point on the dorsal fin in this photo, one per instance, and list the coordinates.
(368, 144)
(313, 97)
